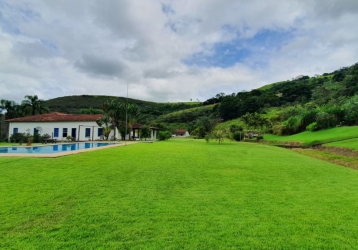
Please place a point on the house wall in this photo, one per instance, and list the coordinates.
(49, 128)
(186, 134)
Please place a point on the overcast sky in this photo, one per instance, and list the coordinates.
(169, 50)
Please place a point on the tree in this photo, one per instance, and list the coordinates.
(145, 132)
(219, 134)
(247, 120)
(33, 105)
(351, 110)
(229, 108)
(105, 123)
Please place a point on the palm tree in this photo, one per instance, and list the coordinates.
(133, 113)
(145, 132)
(105, 123)
(115, 110)
(32, 105)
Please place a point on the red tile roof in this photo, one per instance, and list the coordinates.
(56, 117)
(180, 131)
(137, 125)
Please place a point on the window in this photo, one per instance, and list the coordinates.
(88, 132)
(16, 130)
(36, 131)
(55, 132)
(100, 131)
(64, 132)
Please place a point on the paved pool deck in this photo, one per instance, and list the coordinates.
(60, 154)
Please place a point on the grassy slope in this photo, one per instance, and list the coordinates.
(351, 143)
(269, 86)
(186, 115)
(227, 124)
(178, 194)
(322, 136)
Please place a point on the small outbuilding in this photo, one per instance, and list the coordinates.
(181, 133)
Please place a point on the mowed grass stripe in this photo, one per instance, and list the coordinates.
(178, 194)
(352, 144)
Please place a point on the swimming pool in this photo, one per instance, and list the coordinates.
(60, 148)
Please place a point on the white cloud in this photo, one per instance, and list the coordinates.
(56, 48)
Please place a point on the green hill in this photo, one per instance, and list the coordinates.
(149, 110)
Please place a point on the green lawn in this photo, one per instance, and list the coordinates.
(178, 194)
(7, 144)
(322, 136)
(352, 144)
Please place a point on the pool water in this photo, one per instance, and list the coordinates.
(53, 148)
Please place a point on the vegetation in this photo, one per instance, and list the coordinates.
(314, 103)
(149, 110)
(33, 105)
(164, 135)
(145, 132)
(309, 138)
(178, 200)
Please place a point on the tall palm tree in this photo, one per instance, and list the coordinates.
(114, 109)
(133, 113)
(33, 105)
(105, 123)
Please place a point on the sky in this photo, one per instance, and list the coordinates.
(169, 50)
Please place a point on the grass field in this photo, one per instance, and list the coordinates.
(4, 144)
(178, 194)
(319, 137)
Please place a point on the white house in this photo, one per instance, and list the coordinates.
(181, 133)
(59, 126)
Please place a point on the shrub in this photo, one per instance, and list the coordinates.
(37, 138)
(239, 136)
(45, 137)
(279, 130)
(292, 125)
(307, 117)
(325, 120)
(164, 135)
(312, 127)
(18, 137)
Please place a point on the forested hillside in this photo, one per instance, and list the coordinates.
(149, 111)
(297, 105)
